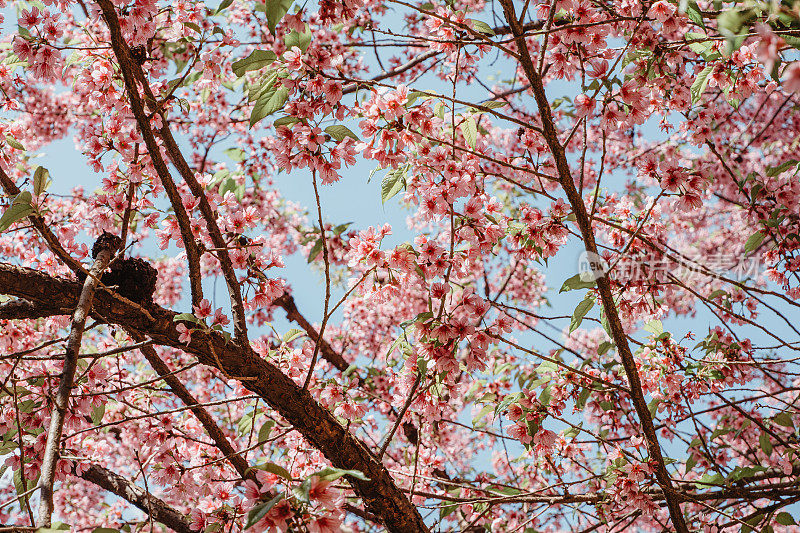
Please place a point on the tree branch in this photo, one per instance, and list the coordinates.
(23, 309)
(192, 252)
(286, 302)
(380, 494)
(84, 304)
(180, 390)
(131, 71)
(603, 283)
(136, 495)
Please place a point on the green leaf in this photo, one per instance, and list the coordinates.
(97, 414)
(236, 154)
(705, 48)
(393, 183)
(41, 180)
(340, 132)
(447, 510)
(690, 463)
(791, 40)
(575, 282)
(332, 474)
(266, 83)
(193, 26)
(228, 185)
(187, 317)
(730, 22)
(350, 369)
(268, 104)
(421, 317)
(274, 469)
(492, 104)
(508, 400)
(785, 519)
(717, 293)
(481, 27)
(183, 81)
(583, 397)
(57, 527)
(546, 367)
(275, 11)
(256, 60)
(754, 241)
(285, 121)
(23, 485)
(260, 511)
(266, 429)
(222, 6)
(783, 419)
(485, 410)
(300, 40)
(245, 424)
(604, 347)
(292, 334)
(470, 130)
(580, 311)
(338, 230)
(746, 472)
(653, 406)
(783, 167)
(752, 523)
(13, 143)
(545, 396)
(655, 327)
(24, 33)
(764, 442)
(692, 11)
(700, 83)
(20, 207)
(302, 492)
(573, 431)
(315, 250)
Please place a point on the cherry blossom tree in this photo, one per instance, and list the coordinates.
(593, 325)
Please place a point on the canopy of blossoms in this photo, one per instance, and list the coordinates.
(590, 322)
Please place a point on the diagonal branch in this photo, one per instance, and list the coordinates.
(136, 495)
(131, 71)
(153, 149)
(211, 427)
(603, 285)
(286, 302)
(318, 426)
(41, 226)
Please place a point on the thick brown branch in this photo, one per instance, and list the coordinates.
(131, 71)
(603, 284)
(136, 495)
(380, 494)
(23, 309)
(153, 149)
